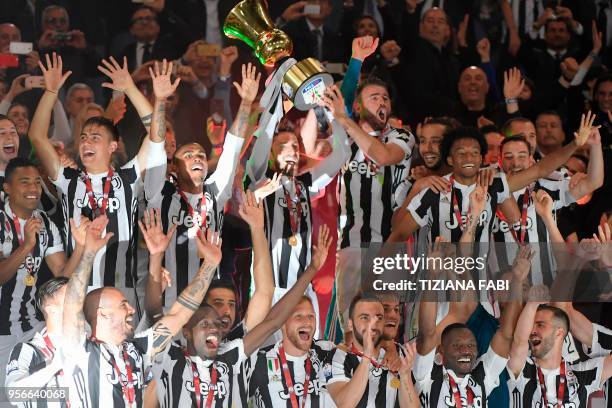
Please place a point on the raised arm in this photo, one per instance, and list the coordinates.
(76, 290)
(524, 326)
(383, 154)
(157, 242)
(595, 170)
(428, 308)
(122, 81)
(407, 394)
(554, 160)
(39, 129)
(325, 171)
(283, 308)
(252, 212)
(191, 297)
(228, 162)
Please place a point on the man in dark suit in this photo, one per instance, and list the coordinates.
(311, 39)
(149, 45)
(191, 20)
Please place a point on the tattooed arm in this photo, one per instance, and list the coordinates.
(154, 144)
(76, 290)
(190, 299)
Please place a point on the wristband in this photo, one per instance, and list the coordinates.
(53, 92)
(593, 55)
(224, 78)
(510, 101)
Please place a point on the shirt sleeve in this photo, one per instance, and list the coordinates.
(404, 140)
(423, 365)
(494, 365)
(565, 197)
(602, 341)
(420, 206)
(504, 192)
(223, 177)
(588, 373)
(62, 181)
(56, 240)
(19, 363)
(334, 368)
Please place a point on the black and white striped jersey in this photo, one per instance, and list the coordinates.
(289, 261)
(17, 302)
(379, 392)
(98, 374)
(436, 209)
(28, 358)
(433, 381)
(581, 379)
(368, 196)
(115, 263)
(602, 341)
(174, 373)
(182, 253)
(543, 265)
(267, 384)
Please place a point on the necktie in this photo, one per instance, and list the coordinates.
(371, 8)
(602, 21)
(146, 53)
(522, 16)
(318, 37)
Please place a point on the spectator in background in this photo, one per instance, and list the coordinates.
(77, 97)
(549, 132)
(494, 140)
(312, 39)
(27, 63)
(78, 57)
(144, 27)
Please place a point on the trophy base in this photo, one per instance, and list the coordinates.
(305, 83)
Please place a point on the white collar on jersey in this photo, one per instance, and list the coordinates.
(290, 357)
(199, 361)
(379, 133)
(461, 382)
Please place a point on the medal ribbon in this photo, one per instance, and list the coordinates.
(90, 194)
(212, 386)
(50, 352)
(457, 395)
(456, 204)
(127, 388)
(295, 213)
(202, 207)
(21, 239)
(523, 220)
(560, 390)
(289, 381)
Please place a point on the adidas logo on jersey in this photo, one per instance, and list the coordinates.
(452, 224)
(358, 167)
(112, 206)
(314, 387)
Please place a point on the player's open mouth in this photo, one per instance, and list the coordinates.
(197, 167)
(535, 341)
(31, 197)
(382, 114)
(9, 149)
(212, 341)
(468, 166)
(225, 321)
(88, 153)
(390, 323)
(304, 334)
(431, 157)
(464, 360)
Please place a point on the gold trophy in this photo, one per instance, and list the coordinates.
(304, 82)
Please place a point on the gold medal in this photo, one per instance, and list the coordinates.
(292, 240)
(395, 382)
(29, 280)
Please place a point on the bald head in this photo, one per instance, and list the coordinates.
(110, 315)
(8, 33)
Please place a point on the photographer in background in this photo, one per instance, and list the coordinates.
(56, 36)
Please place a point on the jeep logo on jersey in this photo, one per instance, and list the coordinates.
(138, 378)
(314, 387)
(112, 206)
(220, 390)
(184, 218)
(502, 226)
(449, 400)
(453, 223)
(31, 263)
(363, 168)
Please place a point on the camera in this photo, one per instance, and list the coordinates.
(62, 37)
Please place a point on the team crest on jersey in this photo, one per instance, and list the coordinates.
(376, 371)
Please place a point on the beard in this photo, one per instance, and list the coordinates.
(359, 338)
(374, 121)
